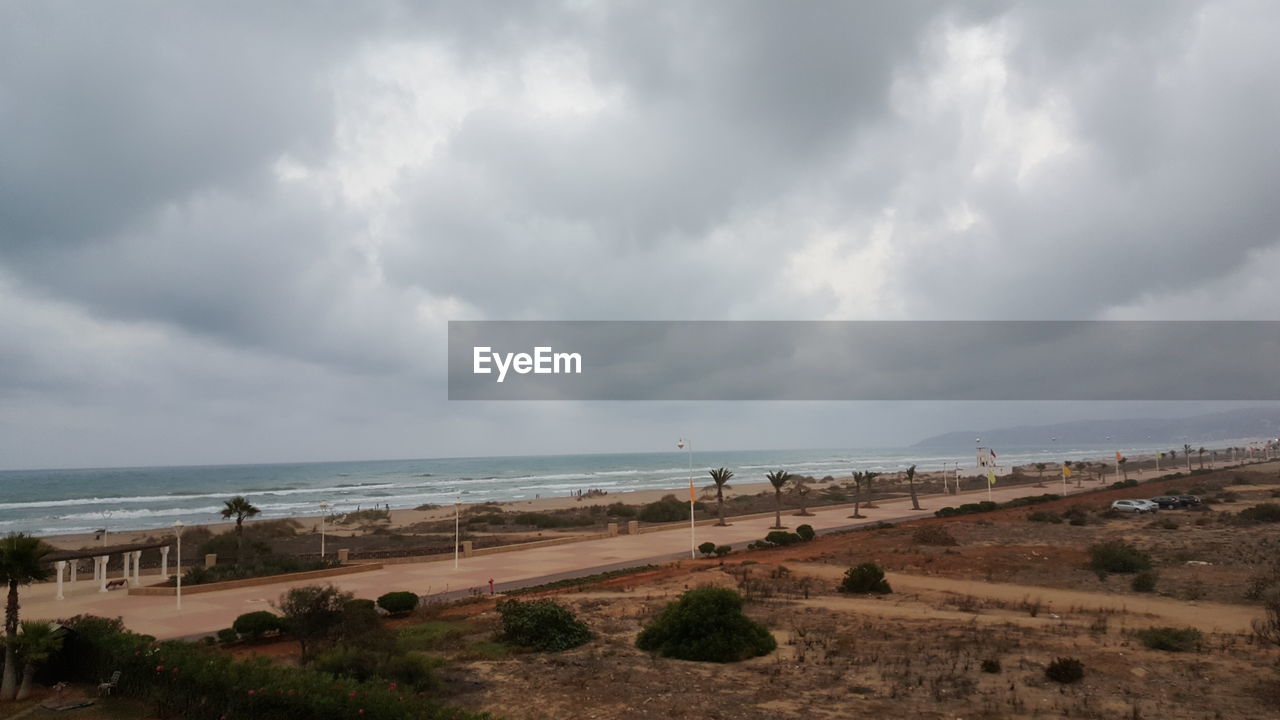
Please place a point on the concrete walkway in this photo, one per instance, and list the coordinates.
(209, 612)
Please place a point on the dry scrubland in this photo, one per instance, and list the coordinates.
(967, 632)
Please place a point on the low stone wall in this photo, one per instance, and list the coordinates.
(550, 542)
(163, 590)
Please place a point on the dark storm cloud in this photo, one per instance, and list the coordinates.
(225, 207)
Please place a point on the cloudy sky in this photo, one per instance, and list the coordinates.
(234, 232)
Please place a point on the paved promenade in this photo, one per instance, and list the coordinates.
(209, 612)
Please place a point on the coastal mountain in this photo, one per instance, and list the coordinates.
(1198, 429)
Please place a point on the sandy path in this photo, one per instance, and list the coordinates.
(1142, 611)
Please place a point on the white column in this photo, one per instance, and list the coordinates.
(102, 572)
(124, 560)
(164, 563)
(60, 565)
(75, 565)
(137, 567)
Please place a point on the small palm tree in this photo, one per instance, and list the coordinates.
(778, 479)
(1124, 466)
(911, 483)
(240, 509)
(1040, 473)
(37, 642)
(1200, 453)
(720, 477)
(21, 563)
(1186, 451)
(800, 487)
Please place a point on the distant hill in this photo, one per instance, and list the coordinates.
(1198, 429)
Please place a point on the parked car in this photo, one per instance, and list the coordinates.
(1189, 500)
(1168, 502)
(1133, 506)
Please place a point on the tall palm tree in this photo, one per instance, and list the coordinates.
(862, 483)
(21, 563)
(720, 477)
(37, 642)
(1200, 453)
(1186, 450)
(911, 483)
(778, 479)
(239, 508)
(1040, 473)
(1124, 467)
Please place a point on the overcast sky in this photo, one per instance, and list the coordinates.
(231, 232)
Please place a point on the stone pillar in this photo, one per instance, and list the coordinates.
(137, 567)
(102, 572)
(210, 560)
(124, 560)
(75, 565)
(466, 548)
(164, 563)
(60, 565)
(343, 555)
(613, 529)
(633, 527)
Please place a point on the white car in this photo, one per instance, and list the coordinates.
(1134, 506)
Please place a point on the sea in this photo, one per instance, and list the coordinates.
(86, 500)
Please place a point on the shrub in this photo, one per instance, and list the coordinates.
(722, 550)
(1266, 512)
(1065, 671)
(805, 532)
(312, 614)
(781, 538)
(991, 666)
(1170, 639)
(543, 521)
(412, 671)
(668, 509)
(1118, 557)
(707, 548)
(398, 603)
(1145, 581)
(542, 625)
(865, 578)
(228, 635)
(1167, 524)
(707, 625)
(620, 510)
(1045, 517)
(933, 535)
(256, 624)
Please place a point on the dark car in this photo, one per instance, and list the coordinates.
(1189, 500)
(1168, 502)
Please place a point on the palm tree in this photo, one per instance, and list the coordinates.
(21, 563)
(1040, 474)
(1186, 450)
(778, 479)
(1200, 453)
(239, 508)
(861, 483)
(800, 487)
(911, 483)
(720, 477)
(1124, 467)
(36, 643)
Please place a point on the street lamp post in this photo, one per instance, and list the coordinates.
(457, 513)
(177, 530)
(324, 510)
(688, 446)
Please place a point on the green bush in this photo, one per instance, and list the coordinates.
(1170, 639)
(968, 509)
(865, 578)
(1045, 517)
(805, 532)
(1118, 557)
(707, 548)
(933, 535)
(722, 550)
(228, 635)
(415, 672)
(707, 625)
(1065, 671)
(399, 603)
(543, 521)
(262, 567)
(542, 625)
(1145, 581)
(1266, 512)
(781, 538)
(621, 510)
(668, 509)
(256, 624)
